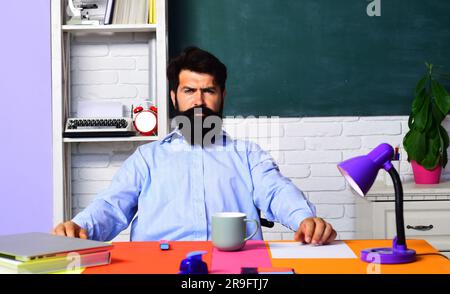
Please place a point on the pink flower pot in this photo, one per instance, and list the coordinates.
(425, 176)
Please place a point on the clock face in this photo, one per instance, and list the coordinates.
(145, 121)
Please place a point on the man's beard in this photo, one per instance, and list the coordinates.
(199, 130)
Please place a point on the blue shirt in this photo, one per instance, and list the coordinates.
(169, 190)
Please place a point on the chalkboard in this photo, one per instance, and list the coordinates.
(316, 57)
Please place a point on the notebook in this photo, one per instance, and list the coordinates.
(31, 246)
(66, 263)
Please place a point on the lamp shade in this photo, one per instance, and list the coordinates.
(360, 172)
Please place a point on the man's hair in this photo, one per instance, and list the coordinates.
(196, 60)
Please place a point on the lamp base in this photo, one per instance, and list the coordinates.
(394, 255)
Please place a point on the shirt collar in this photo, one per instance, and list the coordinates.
(174, 134)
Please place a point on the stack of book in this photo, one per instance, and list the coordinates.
(133, 12)
(119, 11)
(36, 253)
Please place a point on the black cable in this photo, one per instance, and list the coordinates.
(438, 254)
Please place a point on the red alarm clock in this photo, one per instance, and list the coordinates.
(146, 120)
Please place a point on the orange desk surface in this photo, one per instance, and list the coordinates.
(147, 258)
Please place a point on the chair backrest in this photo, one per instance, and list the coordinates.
(264, 222)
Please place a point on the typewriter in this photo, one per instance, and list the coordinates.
(99, 127)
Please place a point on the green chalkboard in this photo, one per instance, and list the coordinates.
(316, 57)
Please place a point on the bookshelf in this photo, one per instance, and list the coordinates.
(115, 28)
(62, 37)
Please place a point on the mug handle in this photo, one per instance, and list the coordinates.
(257, 228)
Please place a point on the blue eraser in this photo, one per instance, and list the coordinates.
(164, 245)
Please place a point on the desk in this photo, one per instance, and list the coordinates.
(147, 258)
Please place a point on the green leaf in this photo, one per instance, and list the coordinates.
(418, 101)
(441, 96)
(406, 142)
(433, 155)
(444, 159)
(431, 119)
(432, 130)
(444, 136)
(410, 121)
(445, 143)
(420, 94)
(434, 139)
(437, 114)
(429, 68)
(421, 84)
(430, 161)
(415, 145)
(422, 116)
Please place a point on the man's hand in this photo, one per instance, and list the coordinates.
(316, 231)
(70, 229)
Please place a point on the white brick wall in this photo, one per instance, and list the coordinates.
(110, 69)
(302, 157)
(306, 149)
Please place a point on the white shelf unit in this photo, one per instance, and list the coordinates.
(61, 41)
(112, 139)
(116, 28)
(426, 213)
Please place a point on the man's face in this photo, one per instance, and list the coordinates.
(197, 89)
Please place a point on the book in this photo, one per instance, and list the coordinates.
(109, 12)
(118, 10)
(143, 12)
(71, 261)
(151, 11)
(137, 12)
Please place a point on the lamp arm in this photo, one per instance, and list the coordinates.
(399, 219)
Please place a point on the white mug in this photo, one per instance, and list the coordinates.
(229, 230)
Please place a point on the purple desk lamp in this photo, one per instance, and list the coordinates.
(360, 172)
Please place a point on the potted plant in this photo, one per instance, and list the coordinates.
(427, 141)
